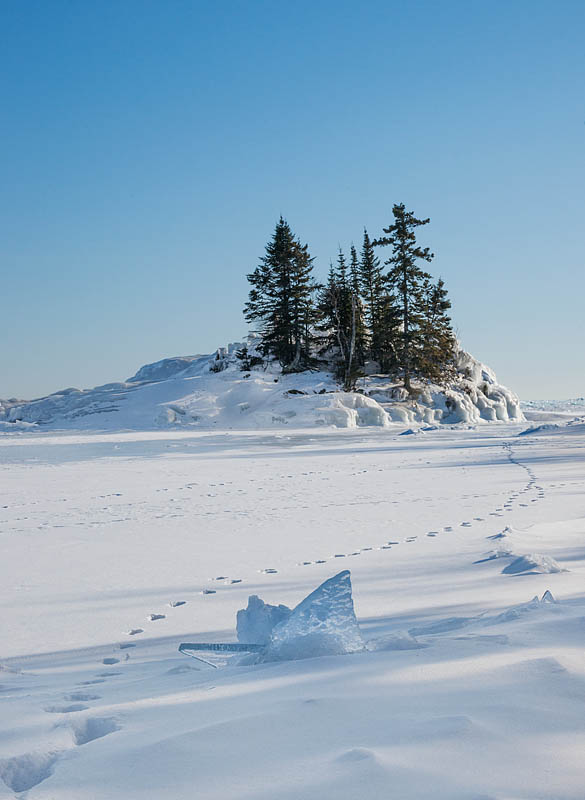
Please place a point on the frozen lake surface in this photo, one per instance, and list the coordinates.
(117, 547)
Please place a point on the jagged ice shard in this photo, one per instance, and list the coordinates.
(323, 624)
(256, 623)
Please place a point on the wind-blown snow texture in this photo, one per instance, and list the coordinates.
(210, 391)
(117, 547)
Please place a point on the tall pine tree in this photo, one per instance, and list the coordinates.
(361, 332)
(281, 299)
(438, 346)
(339, 319)
(407, 281)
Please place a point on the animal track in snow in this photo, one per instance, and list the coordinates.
(135, 631)
(92, 728)
(21, 773)
(108, 661)
(82, 696)
(208, 591)
(177, 603)
(154, 617)
(66, 709)
(268, 571)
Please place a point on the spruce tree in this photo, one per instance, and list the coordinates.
(438, 346)
(354, 281)
(281, 299)
(407, 282)
(371, 287)
(338, 307)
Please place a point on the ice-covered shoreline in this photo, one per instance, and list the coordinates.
(211, 391)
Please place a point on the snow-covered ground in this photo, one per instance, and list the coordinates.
(117, 547)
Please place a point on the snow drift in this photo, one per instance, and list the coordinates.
(211, 391)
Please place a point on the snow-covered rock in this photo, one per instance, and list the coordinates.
(212, 392)
(323, 624)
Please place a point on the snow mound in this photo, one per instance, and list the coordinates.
(402, 640)
(517, 612)
(256, 622)
(576, 425)
(323, 624)
(166, 368)
(532, 562)
(212, 392)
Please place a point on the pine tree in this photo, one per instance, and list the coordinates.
(438, 346)
(354, 282)
(281, 299)
(407, 282)
(338, 307)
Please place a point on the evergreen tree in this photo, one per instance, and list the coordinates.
(281, 299)
(371, 288)
(438, 347)
(354, 282)
(338, 307)
(407, 282)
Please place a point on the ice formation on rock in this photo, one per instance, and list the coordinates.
(323, 624)
(256, 622)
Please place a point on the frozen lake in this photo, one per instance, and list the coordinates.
(117, 547)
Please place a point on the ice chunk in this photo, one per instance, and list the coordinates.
(323, 624)
(255, 623)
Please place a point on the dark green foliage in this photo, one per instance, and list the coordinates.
(406, 280)
(439, 344)
(361, 334)
(248, 361)
(379, 308)
(339, 310)
(424, 341)
(398, 320)
(281, 299)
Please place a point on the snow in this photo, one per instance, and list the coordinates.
(211, 391)
(532, 562)
(118, 546)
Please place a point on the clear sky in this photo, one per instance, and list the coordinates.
(149, 147)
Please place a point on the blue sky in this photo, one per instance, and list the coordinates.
(149, 148)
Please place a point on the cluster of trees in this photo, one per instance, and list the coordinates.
(391, 315)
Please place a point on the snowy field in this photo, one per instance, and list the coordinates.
(117, 547)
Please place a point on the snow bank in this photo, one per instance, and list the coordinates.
(211, 392)
(575, 426)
